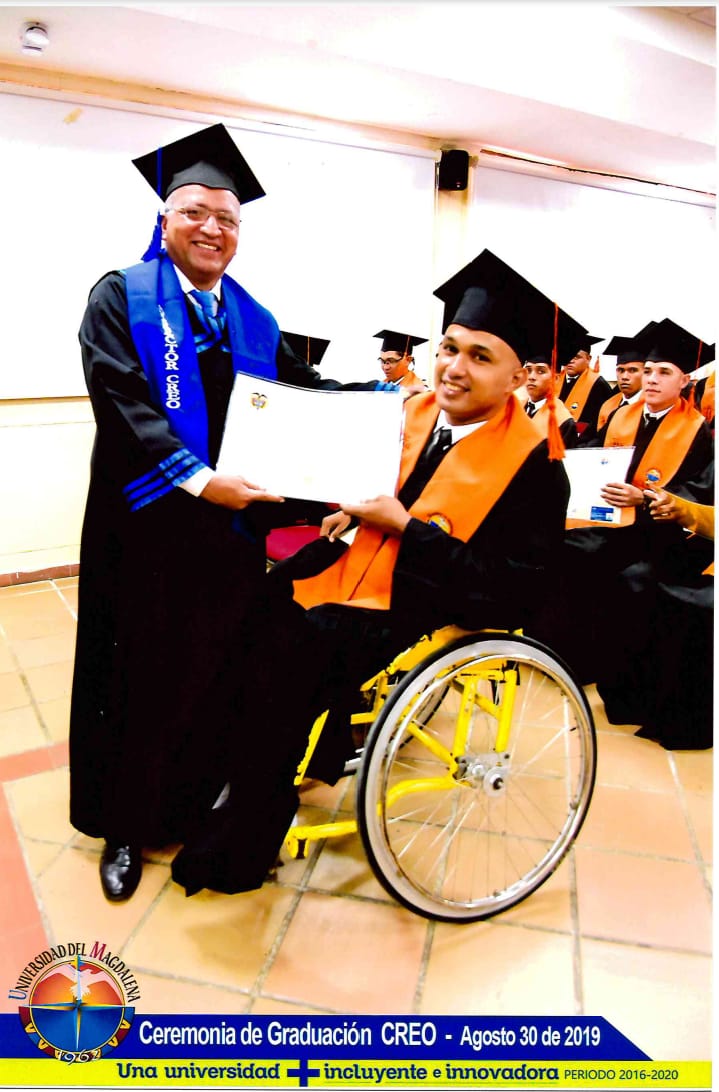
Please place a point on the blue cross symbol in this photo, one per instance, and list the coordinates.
(302, 1072)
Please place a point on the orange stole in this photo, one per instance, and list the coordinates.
(467, 483)
(608, 407)
(410, 379)
(541, 417)
(665, 453)
(577, 397)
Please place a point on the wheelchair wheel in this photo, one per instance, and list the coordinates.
(454, 828)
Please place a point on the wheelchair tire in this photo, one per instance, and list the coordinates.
(463, 840)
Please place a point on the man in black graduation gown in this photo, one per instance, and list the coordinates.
(630, 369)
(172, 552)
(467, 540)
(396, 359)
(576, 374)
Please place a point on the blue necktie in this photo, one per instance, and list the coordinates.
(212, 323)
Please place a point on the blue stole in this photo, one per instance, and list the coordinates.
(161, 332)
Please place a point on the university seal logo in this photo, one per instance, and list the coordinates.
(77, 1007)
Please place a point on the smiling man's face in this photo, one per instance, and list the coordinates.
(201, 250)
(474, 375)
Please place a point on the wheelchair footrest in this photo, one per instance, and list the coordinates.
(298, 838)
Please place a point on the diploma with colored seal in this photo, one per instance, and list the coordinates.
(332, 446)
(589, 469)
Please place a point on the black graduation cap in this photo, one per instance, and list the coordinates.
(569, 332)
(208, 157)
(487, 294)
(626, 349)
(396, 342)
(309, 349)
(666, 340)
(582, 343)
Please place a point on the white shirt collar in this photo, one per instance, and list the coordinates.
(659, 414)
(538, 405)
(187, 286)
(458, 431)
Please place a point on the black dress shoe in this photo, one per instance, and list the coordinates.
(120, 871)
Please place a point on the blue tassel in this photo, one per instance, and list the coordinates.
(155, 248)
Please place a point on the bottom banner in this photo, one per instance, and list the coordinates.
(319, 1073)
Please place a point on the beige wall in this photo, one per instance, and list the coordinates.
(45, 450)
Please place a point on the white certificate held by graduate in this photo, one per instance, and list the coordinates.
(589, 469)
(331, 446)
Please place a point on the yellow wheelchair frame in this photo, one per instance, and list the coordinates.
(475, 777)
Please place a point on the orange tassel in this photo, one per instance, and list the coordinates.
(691, 399)
(596, 364)
(555, 443)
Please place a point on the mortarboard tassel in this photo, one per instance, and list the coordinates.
(596, 364)
(155, 247)
(555, 442)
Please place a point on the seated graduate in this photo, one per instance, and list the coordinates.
(664, 683)
(581, 388)
(542, 402)
(602, 562)
(477, 518)
(630, 369)
(397, 362)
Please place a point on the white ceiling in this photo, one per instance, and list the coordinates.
(627, 90)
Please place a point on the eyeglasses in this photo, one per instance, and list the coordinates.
(198, 214)
(390, 360)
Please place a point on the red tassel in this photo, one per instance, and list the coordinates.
(554, 340)
(555, 443)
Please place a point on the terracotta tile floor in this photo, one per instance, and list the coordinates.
(622, 930)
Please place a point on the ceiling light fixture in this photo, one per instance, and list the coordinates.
(34, 38)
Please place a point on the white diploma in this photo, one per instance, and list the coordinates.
(332, 446)
(589, 469)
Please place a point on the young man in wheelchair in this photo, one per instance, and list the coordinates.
(478, 517)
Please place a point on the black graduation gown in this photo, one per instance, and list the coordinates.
(662, 676)
(665, 682)
(304, 661)
(600, 604)
(569, 434)
(164, 594)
